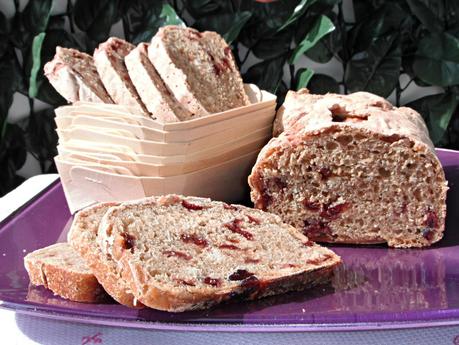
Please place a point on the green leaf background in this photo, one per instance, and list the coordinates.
(387, 39)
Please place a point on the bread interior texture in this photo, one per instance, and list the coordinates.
(349, 185)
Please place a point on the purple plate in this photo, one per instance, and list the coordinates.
(376, 288)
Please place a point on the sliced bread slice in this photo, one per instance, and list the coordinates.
(83, 238)
(109, 61)
(185, 253)
(74, 75)
(156, 96)
(60, 269)
(199, 69)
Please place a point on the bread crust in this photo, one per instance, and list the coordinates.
(60, 278)
(165, 299)
(298, 104)
(83, 238)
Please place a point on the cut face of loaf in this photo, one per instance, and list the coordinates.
(83, 238)
(109, 61)
(185, 253)
(156, 96)
(74, 75)
(199, 69)
(60, 269)
(354, 177)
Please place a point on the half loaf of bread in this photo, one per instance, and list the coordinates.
(352, 169)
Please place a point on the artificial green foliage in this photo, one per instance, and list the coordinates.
(387, 39)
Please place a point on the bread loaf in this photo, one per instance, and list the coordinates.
(60, 269)
(352, 169)
(199, 69)
(74, 76)
(109, 61)
(83, 238)
(184, 253)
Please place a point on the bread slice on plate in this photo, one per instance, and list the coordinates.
(347, 174)
(184, 253)
(156, 96)
(83, 238)
(109, 61)
(199, 69)
(74, 75)
(60, 269)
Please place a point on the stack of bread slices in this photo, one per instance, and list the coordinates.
(177, 253)
(169, 116)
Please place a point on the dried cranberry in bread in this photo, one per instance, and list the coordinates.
(198, 68)
(60, 269)
(83, 238)
(185, 253)
(355, 171)
(109, 61)
(156, 96)
(74, 76)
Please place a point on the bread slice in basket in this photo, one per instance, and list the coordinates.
(83, 238)
(184, 253)
(156, 96)
(60, 269)
(74, 75)
(199, 69)
(109, 61)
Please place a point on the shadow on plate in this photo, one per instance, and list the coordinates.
(235, 312)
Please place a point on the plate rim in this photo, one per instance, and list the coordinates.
(230, 327)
